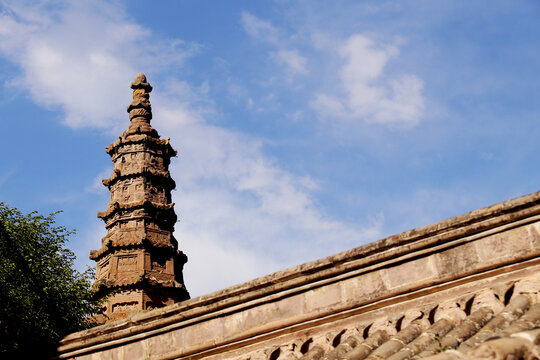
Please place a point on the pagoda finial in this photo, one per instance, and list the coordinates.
(140, 82)
(140, 110)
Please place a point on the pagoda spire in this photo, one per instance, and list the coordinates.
(140, 110)
(139, 266)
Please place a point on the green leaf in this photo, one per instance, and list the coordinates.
(43, 297)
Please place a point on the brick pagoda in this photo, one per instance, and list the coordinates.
(139, 266)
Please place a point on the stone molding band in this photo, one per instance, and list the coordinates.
(390, 252)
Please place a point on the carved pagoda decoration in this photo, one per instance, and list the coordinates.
(139, 266)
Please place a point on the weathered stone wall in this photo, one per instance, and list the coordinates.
(378, 284)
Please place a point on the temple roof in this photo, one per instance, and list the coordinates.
(473, 326)
(463, 288)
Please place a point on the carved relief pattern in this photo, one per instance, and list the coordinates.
(126, 263)
(124, 307)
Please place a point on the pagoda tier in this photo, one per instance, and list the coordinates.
(139, 266)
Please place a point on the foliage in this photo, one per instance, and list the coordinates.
(42, 297)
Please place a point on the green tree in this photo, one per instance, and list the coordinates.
(43, 298)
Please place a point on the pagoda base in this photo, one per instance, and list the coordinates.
(129, 301)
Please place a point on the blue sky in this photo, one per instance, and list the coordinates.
(304, 128)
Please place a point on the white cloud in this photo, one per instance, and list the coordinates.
(85, 240)
(259, 29)
(427, 205)
(263, 31)
(5, 175)
(295, 63)
(365, 92)
(367, 96)
(234, 197)
(97, 186)
(242, 214)
(80, 62)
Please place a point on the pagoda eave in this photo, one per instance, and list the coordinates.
(109, 249)
(146, 171)
(179, 291)
(144, 204)
(142, 243)
(140, 139)
(146, 278)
